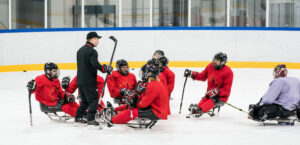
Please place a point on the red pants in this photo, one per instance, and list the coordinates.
(70, 108)
(125, 116)
(121, 108)
(206, 104)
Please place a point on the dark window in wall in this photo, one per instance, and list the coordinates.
(285, 13)
(101, 13)
(3, 14)
(64, 13)
(27, 14)
(170, 13)
(135, 13)
(208, 13)
(248, 13)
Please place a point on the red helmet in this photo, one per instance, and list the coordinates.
(280, 71)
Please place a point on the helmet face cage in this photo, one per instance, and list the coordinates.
(164, 61)
(149, 70)
(48, 69)
(280, 71)
(223, 59)
(120, 63)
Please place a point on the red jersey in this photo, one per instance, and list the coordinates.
(221, 79)
(163, 80)
(47, 91)
(117, 81)
(156, 97)
(170, 79)
(73, 85)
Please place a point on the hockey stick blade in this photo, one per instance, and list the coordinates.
(113, 38)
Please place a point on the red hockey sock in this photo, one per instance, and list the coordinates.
(70, 108)
(206, 104)
(125, 116)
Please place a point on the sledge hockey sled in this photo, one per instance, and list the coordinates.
(281, 121)
(142, 123)
(211, 113)
(53, 112)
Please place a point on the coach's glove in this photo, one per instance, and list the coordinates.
(212, 93)
(65, 82)
(140, 88)
(106, 69)
(31, 85)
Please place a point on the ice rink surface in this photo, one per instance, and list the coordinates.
(230, 127)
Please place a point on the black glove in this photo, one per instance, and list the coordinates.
(253, 112)
(65, 82)
(132, 100)
(69, 98)
(187, 73)
(125, 91)
(140, 88)
(106, 69)
(31, 85)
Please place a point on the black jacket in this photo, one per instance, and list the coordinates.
(87, 65)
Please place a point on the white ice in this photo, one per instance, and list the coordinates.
(230, 127)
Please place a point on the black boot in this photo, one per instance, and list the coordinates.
(80, 120)
(93, 122)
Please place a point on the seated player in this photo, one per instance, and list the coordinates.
(48, 91)
(151, 104)
(72, 87)
(121, 80)
(281, 99)
(219, 81)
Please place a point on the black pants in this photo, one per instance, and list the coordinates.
(147, 113)
(89, 100)
(271, 111)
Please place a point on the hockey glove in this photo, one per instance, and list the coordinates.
(140, 88)
(189, 73)
(69, 98)
(132, 100)
(65, 82)
(31, 85)
(212, 93)
(125, 91)
(106, 69)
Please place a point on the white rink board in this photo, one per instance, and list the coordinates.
(179, 45)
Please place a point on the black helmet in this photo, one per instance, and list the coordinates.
(119, 64)
(164, 62)
(160, 52)
(151, 69)
(48, 67)
(223, 59)
(280, 71)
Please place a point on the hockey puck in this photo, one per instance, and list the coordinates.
(24, 70)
